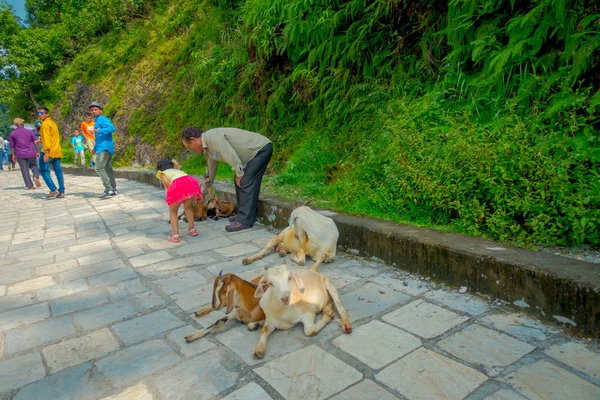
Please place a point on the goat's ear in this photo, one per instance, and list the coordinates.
(261, 288)
(226, 279)
(307, 203)
(231, 299)
(295, 204)
(283, 262)
(299, 282)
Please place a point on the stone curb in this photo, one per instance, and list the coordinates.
(551, 287)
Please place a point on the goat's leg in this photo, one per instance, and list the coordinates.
(252, 326)
(308, 320)
(346, 324)
(203, 332)
(271, 245)
(320, 260)
(203, 311)
(261, 347)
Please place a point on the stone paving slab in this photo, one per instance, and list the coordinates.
(95, 303)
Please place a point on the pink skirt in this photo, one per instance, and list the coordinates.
(182, 189)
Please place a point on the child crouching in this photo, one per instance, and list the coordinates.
(181, 189)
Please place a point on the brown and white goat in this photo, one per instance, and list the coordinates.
(289, 297)
(237, 295)
(309, 233)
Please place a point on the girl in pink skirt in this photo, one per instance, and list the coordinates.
(181, 189)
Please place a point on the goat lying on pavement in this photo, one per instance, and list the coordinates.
(236, 294)
(290, 297)
(308, 233)
(219, 208)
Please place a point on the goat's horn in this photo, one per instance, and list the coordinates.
(221, 273)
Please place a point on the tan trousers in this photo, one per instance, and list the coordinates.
(90, 145)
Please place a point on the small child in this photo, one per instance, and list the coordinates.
(77, 142)
(181, 189)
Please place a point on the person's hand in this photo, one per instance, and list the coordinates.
(46, 158)
(37, 155)
(93, 152)
(238, 181)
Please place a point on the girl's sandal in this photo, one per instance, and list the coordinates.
(193, 232)
(174, 238)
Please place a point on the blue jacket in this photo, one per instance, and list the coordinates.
(104, 139)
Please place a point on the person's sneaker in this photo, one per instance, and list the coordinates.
(113, 193)
(233, 218)
(236, 226)
(105, 194)
(52, 194)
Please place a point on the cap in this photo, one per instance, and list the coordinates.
(96, 104)
(37, 123)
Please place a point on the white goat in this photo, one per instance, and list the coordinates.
(309, 233)
(288, 298)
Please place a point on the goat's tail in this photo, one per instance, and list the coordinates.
(346, 324)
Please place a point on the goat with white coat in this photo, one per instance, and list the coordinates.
(309, 233)
(289, 297)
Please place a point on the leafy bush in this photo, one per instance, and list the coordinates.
(479, 117)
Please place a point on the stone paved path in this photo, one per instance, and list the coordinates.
(95, 303)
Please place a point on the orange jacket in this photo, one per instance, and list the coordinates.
(86, 133)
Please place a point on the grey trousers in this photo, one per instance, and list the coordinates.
(247, 194)
(25, 164)
(105, 171)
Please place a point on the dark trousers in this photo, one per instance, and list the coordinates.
(25, 164)
(247, 194)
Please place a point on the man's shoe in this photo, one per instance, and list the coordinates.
(52, 194)
(233, 218)
(112, 193)
(105, 194)
(60, 196)
(236, 226)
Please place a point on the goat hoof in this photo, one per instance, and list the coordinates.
(347, 328)
(281, 254)
(259, 354)
(253, 326)
(190, 338)
(245, 261)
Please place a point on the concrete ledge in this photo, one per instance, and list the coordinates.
(550, 285)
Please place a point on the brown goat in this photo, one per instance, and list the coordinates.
(220, 208)
(199, 210)
(237, 295)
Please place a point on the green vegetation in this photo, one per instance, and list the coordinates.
(477, 116)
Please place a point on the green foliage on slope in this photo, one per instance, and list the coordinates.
(476, 116)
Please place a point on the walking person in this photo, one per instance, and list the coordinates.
(51, 154)
(181, 189)
(77, 143)
(247, 152)
(1, 154)
(104, 149)
(22, 142)
(87, 128)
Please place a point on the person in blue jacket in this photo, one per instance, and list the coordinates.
(104, 150)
